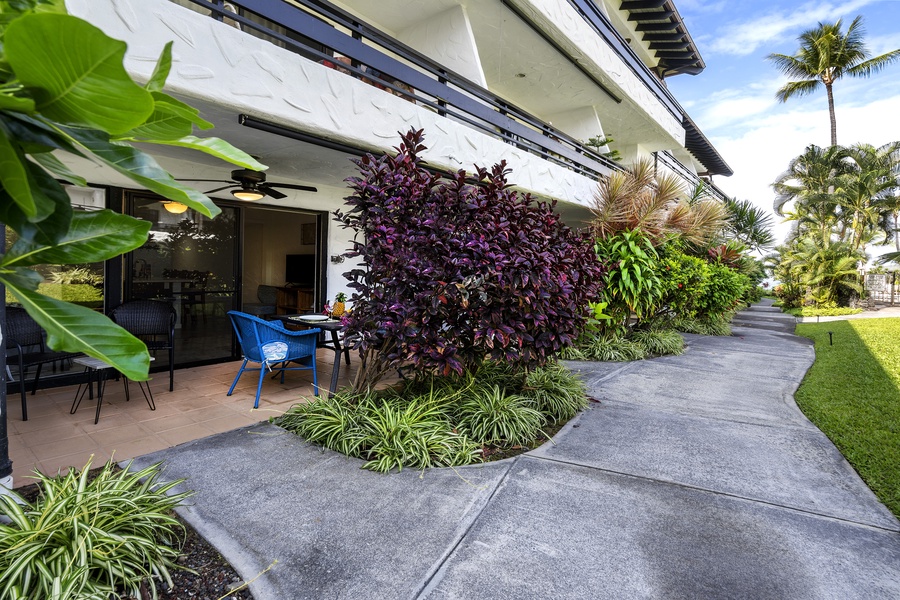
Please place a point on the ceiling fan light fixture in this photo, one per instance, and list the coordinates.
(248, 194)
(176, 208)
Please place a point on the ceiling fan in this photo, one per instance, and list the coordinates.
(252, 185)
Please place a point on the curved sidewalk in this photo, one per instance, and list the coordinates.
(694, 476)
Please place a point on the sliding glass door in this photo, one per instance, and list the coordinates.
(190, 261)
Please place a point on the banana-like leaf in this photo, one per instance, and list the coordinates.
(57, 168)
(15, 175)
(76, 72)
(171, 120)
(92, 237)
(30, 131)
(215, 147)
(161, 70)
(55, 207)
(142, 168)
(73, 328)
(8, 102)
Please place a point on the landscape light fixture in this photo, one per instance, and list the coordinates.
(248, 194)
(176, 208)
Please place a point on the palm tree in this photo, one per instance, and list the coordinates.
(866, 191)
(809, 182)
(826, 54)
(748, 224)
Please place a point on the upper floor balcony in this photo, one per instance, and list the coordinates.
(529, 82)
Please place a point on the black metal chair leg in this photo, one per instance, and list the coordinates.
(22, 389)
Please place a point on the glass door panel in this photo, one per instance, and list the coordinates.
(190, 261)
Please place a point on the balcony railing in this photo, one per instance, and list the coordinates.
(318, 31)
(664, 160)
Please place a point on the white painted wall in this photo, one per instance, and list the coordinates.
(567, 28)
(582, 123)
(212, 61)
(447, 38)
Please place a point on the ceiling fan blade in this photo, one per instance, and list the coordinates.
(270, 192)
(221, 188)
(206, 180)
(291, 186)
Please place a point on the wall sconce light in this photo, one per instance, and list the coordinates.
(247, 194)
(176, 208)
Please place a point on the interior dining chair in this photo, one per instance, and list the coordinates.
(274, 348)
(153, 322)
(25, 348)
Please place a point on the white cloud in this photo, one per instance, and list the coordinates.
(745, 38)
(880, 44)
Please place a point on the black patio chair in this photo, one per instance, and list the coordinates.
(268, 299)
(26, 348)
(153, 322)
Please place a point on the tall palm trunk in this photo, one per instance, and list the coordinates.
(831, 114)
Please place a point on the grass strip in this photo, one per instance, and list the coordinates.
(852, 393)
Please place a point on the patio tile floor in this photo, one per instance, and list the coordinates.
(52, 439)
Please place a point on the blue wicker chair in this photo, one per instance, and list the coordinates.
(274, 348)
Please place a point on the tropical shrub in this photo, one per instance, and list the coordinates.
(684, 280)
(91, 538)
(452, 273)
(723, 292)
(632, 283)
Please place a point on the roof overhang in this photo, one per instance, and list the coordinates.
(659, 24)
(703, 150)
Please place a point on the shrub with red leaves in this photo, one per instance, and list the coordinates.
(454, 272)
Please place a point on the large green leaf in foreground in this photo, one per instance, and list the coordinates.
(76, 72)
(73, 328)
(92, 237)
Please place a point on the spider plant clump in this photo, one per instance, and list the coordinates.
(613, 348)
(90, 538)
(556, 392)
(658, 342)
(493, 416)
(415, 434)
(388, 429)
(712, 325)
(334, 423)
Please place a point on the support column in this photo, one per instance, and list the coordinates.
(6, 480)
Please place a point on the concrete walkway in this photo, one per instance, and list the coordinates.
(694, 477)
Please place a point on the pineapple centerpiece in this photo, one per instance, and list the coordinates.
(338, 310)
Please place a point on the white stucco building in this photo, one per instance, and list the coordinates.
(305, 85)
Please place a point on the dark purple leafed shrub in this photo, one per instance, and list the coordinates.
(453, 273)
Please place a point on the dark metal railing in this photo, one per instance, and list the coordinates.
(665, 160)
(317, 30)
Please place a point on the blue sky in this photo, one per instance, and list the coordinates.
(733, 99)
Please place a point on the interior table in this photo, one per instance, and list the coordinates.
(333, 326)
(96, 367)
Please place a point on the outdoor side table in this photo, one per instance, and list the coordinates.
(94, 367)
(332, 325)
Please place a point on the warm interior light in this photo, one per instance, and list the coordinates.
(176, 208)
(247, 194)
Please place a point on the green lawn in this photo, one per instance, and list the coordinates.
(852, 393)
